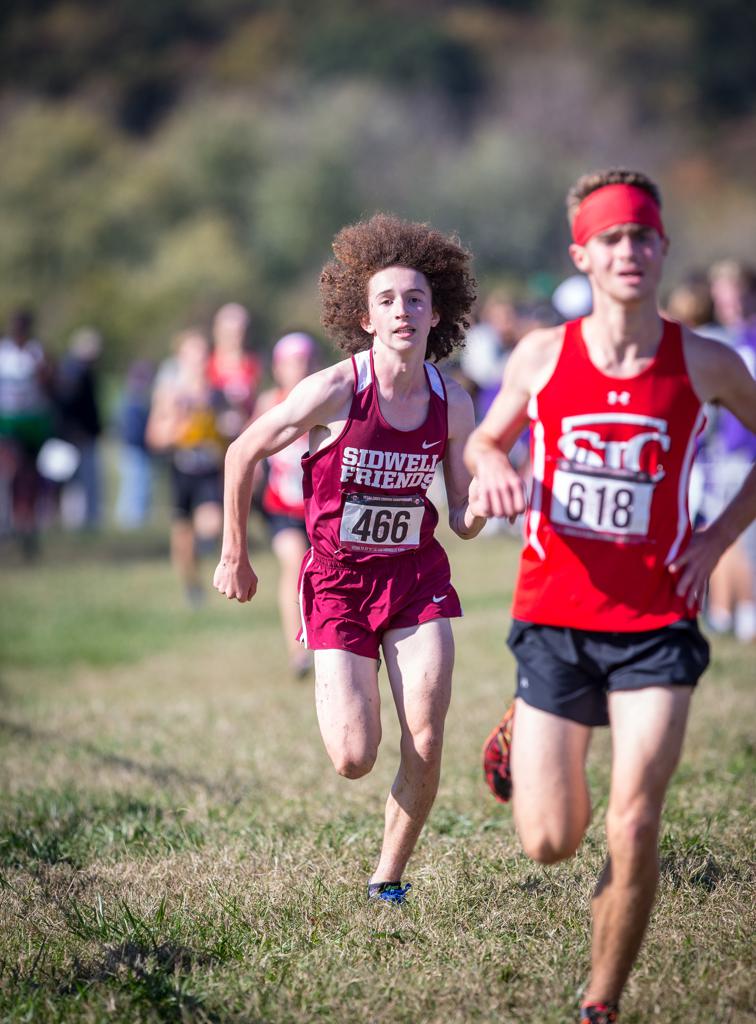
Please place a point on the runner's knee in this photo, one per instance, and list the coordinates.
(355, 763)
(548, 848)
(353, 768)
(547, 839)
(632, 833)
(424, 744)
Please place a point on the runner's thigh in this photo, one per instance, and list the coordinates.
(550, 793)
(419, 661)
(648, 728)
(348, 704)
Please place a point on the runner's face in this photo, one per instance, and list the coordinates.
(400, 309)
(625, 261)
(290, 370)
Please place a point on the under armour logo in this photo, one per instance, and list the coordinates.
(621, 397)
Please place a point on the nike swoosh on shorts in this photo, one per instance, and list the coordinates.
(438, 600)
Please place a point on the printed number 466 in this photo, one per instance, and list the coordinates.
(382, 525)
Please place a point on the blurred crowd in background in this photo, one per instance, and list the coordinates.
(170, 419)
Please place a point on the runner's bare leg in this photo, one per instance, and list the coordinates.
(419, 661)
(648, 727)
(348, 706)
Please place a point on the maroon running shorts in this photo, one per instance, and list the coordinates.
(349, 608)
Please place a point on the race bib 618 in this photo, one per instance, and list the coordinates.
(601, 504)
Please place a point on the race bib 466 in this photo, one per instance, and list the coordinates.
(383, 524)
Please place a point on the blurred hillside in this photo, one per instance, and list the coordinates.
(159, 158)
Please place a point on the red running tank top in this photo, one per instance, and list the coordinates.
(365, 493)
(609, 508)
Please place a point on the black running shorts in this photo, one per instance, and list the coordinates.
(568, 672)
(190, 490)
(279, 521)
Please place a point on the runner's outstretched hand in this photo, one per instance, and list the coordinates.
(498, 489)
(695, 564)
(235, 579)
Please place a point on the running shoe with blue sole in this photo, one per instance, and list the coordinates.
(388, 892)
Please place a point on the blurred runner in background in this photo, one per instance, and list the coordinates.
(294, 358)
(184, 422)
(26, 422)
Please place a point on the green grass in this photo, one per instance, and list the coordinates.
(174, 845)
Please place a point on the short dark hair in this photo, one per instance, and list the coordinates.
(364, 248)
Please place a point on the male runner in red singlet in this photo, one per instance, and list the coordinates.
(610, 578)
(379, 424)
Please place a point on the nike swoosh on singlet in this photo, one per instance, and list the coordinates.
(430, 444)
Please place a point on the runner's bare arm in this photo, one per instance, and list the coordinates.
(500, 490)
(264, 402)
(456, 477)
(317, 400)
(718, 375)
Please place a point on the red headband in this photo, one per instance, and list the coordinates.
(615, 204)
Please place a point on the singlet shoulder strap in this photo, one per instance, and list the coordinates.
(363, 370)
(573, 330)
(436, 381)
(671, 353)
(571, 359)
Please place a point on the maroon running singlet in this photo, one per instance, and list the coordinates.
(374, 564)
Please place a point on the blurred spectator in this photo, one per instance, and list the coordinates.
(134, 459)
(184, 422)
(484, 358)
(573, 298)
(733, 286)
(294, 358)
(79, 423)
(232, 370)
(691, 303)
(532, 315)
(732, 450)
(487, 348)
(25, 424)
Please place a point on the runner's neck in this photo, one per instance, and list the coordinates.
(398, 374)
(619, 337)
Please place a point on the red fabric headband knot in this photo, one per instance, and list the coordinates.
(615, 204)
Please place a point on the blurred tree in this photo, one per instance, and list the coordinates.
(161, 158)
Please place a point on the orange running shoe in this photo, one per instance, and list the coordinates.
(599, 1013)
(496, 758)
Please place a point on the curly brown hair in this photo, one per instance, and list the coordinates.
(363, 249)
(595, 180)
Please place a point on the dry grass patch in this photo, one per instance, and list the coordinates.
(174, 845)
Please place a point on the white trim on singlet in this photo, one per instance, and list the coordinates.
(635, 419)
(435, 380)
(364, 371)
(683, 517)
(301, 602)
(539, 470)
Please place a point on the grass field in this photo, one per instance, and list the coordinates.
(174, 845)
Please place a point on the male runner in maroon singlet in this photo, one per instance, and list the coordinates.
(379, 424)
(611, 576)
